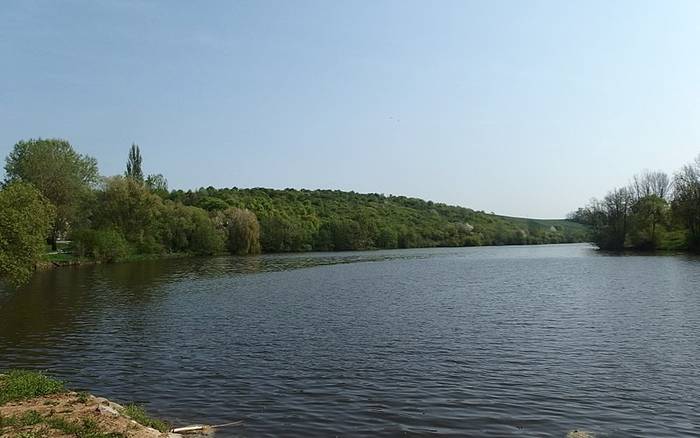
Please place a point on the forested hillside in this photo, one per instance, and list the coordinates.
(52, 193)
(323, 220)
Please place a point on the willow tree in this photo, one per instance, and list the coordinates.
(62, 175)
(243, 231)
(25, 218)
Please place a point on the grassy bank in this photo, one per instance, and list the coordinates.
(33, 405)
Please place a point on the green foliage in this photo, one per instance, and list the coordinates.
(686, 202)
(242, 231)
(184, 228)
(280, 233)
(29, 418)
(25, 219)
(346, 235)
(325, 220)
(20, 385)
(387, 237)
(205, 238)
(139, 415)
(649, 217)
(62, 175)
(126, 205)
(152, 225)
(213, 204)
(641, 217)
(133, 164)
(157, 184)
(612, 232)
(102, 245)
(87, 428)
(127, 216)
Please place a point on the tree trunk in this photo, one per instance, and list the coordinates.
(53, 238)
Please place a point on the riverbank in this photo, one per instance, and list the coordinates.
(33, 405)
(60, 260)
(67, 259)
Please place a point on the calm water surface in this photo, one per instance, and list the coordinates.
(509, 341)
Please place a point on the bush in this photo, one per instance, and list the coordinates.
(102, 245)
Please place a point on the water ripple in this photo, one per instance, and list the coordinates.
(511, 341)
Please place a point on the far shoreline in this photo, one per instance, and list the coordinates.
(74, 262)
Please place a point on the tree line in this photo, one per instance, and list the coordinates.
(52, 193)
(653, 212)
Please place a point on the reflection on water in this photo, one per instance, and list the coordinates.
(523, 341)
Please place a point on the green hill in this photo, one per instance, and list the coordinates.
(304, 220)
(564, 224)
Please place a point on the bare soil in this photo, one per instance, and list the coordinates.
(101, 415)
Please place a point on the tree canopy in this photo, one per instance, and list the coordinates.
(686, 202)
(242, 231)
(133, 164)
(25, 219)
(653, 212)
(62, 175)
(125, 216)
(332, 220)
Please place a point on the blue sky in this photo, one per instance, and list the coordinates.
(525, 108)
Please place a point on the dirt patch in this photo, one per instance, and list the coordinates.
(70, 414)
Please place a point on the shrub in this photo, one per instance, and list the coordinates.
(102, 245)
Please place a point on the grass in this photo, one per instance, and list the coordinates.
(61, 257)
(83, 397)
(86, 428)
(138, 414)
(29, 435)
(29, 418)
(20, 385)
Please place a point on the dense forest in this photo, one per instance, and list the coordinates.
(53, 196)
(331, 220)
(654, 212)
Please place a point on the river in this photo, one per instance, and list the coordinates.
(493, 341)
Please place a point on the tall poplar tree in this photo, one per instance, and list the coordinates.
(133, 164)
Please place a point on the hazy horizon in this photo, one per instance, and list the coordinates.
(521, 108)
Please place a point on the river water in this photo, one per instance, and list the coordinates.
(497, 341)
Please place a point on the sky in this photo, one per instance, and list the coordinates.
(524, 108)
